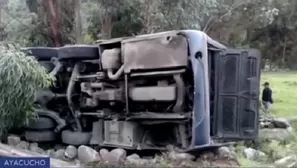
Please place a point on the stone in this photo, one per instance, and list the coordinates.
(35, 148)
(262, 124)
(267, 124)
(104, 154)
(114, 156)
(50, 152)
(180, 156)
(71, 152)
(135, 159)
(87, 155)
(275, 134)
(134, 156)
(281, 123)
(23, 145)
(59, 154)
(253, 154)
(225, 152)
(291, 129)
(249, 153)
(117, 155)
(33, 145)
(13, 140)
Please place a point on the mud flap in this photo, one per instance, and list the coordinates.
(236, 104)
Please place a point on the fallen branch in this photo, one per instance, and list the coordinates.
(10, 151)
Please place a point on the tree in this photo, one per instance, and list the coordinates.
(78, 22)
(121, 19)
(21, 77)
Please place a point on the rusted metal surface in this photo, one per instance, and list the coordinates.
(167, 50)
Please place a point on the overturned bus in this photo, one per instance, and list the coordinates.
(145, 92)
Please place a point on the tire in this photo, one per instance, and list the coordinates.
(40, 136)
(76, 138)
(78, 52)
(42, 123)
(42, 53)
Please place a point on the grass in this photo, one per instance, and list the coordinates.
(284, 88)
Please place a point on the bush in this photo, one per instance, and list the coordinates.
(21, 76)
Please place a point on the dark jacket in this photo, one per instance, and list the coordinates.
(267, 95)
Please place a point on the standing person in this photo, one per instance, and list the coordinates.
(267, 98)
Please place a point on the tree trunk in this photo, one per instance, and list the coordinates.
(106, 24)
(53, 19)
(78, 24)
(284, 53)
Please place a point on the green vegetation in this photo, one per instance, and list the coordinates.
(284, 87)
(21, 77)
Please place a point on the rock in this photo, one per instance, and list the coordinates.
(290, 129)
(262, 124)
(253, 154)
(87, 155)
(117, 155)
(135, 159)
(250, 153)
(133, 156)
(70, 152)
(281, 123)
(114, 156)
(50, 152)
(40, 151)
(59, 154)
(23, 145)
(275, 134)
(286, 161)
(180, 156)
(104, 154)
(225, 152)
(35, 148)
(33, 145)
(266, 123)
(13, 140)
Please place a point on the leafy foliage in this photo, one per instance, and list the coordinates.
(126, 21)
(18, 21)
(267, 25)
(21, 77)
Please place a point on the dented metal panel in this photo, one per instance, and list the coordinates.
(158, 51)
(122, 133)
